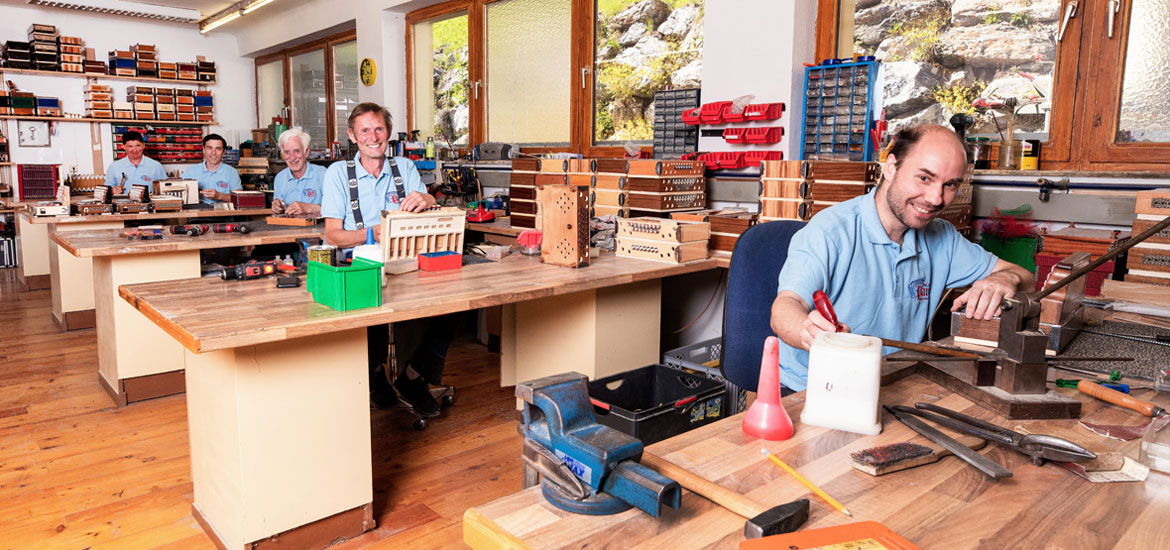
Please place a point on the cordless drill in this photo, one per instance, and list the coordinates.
(193, 230)
(231, 228)
(250, 270)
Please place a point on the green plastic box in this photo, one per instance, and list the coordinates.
(346, 288)
(1017, 250)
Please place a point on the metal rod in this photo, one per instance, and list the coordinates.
(928, 349)
(1104, 258)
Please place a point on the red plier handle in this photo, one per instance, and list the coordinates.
(826, 308)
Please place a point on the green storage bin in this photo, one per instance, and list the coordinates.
(346, 288)
(1017, 250)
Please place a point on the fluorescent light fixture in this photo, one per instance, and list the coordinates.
(233, 12)
(256, 4)
(126, 9)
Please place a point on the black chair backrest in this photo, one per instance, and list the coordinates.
(759, 254)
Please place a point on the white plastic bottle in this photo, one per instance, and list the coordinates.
(370, 251)
(844, 376)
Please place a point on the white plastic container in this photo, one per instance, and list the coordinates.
(371, 251)
(844, 376)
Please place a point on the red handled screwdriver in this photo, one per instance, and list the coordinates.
(826, 308)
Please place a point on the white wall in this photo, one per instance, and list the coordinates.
(761, 55)
(71, 143)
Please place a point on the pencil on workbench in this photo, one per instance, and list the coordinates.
(832, 501)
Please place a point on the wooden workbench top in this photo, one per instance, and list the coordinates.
(210, 314)
(943, 505)
(110, 242)
(182, 214)
(498, 226)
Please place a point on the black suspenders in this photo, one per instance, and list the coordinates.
(351, 167)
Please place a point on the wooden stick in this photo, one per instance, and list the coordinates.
(928, 349)
(832, 501)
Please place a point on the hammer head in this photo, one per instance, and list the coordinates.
(785, 518)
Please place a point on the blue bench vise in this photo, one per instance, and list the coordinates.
(582, 466)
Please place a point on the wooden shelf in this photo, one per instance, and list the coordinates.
(110, 120)
(7, 163)
(98, 76)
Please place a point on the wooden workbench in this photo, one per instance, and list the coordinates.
(43, 264)
(136, 360)
(943, 505)
(277, 385)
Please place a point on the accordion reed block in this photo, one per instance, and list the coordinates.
(405, 235)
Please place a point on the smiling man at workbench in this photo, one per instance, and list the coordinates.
(884, 259)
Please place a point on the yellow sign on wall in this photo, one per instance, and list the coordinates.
(368, 71)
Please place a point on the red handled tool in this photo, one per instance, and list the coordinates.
(231, 228)
(826, 308)
(193, 230)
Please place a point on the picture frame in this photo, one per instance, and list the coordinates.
(33, 133)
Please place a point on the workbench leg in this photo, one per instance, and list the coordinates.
(596, 333)
(280, 441)
(136, 359)
(32, 249)
(72, 280)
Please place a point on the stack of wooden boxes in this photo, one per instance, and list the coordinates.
(798, 189)
(663, 240)
(658, 187)
(164, 104)
(46, 48)
(1149, 261)
(142, 98)
(204, 106)
(530, 175)
(610, 197)
(145, 61)
(72, 54)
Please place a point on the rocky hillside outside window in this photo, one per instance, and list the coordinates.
(994, 59)
(441, 78)
(1086, 75)
(641, 47)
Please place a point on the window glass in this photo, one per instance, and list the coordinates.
(345, 89)
(940, 58)
(270, 90)
(641, 48)
(528, 52)
(1145, 100)
(309, 105)
(440, 78)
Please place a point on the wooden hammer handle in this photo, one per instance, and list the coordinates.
(1117, 398)
(726, 498)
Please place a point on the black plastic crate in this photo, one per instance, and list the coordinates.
(656, 402)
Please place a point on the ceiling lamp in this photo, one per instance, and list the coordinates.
(127, 9)
(233, 12)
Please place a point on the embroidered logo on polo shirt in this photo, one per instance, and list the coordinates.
(310, 193)
(919, 289)
(221, 184)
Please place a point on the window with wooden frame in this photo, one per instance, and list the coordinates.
(549, 75)
(1085, 75)
(315, 84)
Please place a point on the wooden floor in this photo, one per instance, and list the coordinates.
(76, 473)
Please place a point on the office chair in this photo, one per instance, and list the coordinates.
(752, 279)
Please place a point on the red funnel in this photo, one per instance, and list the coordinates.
(766, 418)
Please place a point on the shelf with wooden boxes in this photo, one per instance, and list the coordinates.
(101, 76)
(1149, 261)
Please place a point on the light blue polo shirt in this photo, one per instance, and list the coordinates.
(877, 287)
(223, 179)
(374, 195)
(145, 173)
(306, 188)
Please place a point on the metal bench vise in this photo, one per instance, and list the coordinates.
(584, 467)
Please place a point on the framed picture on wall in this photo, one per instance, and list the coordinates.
(32, 133)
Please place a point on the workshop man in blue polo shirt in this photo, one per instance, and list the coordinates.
(297, 187)
(134, 168)
(216, 179)
(386, 184)
(884, 260)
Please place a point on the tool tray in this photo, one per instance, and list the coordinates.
(654, 402)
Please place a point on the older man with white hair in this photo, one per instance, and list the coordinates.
(298, 187)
